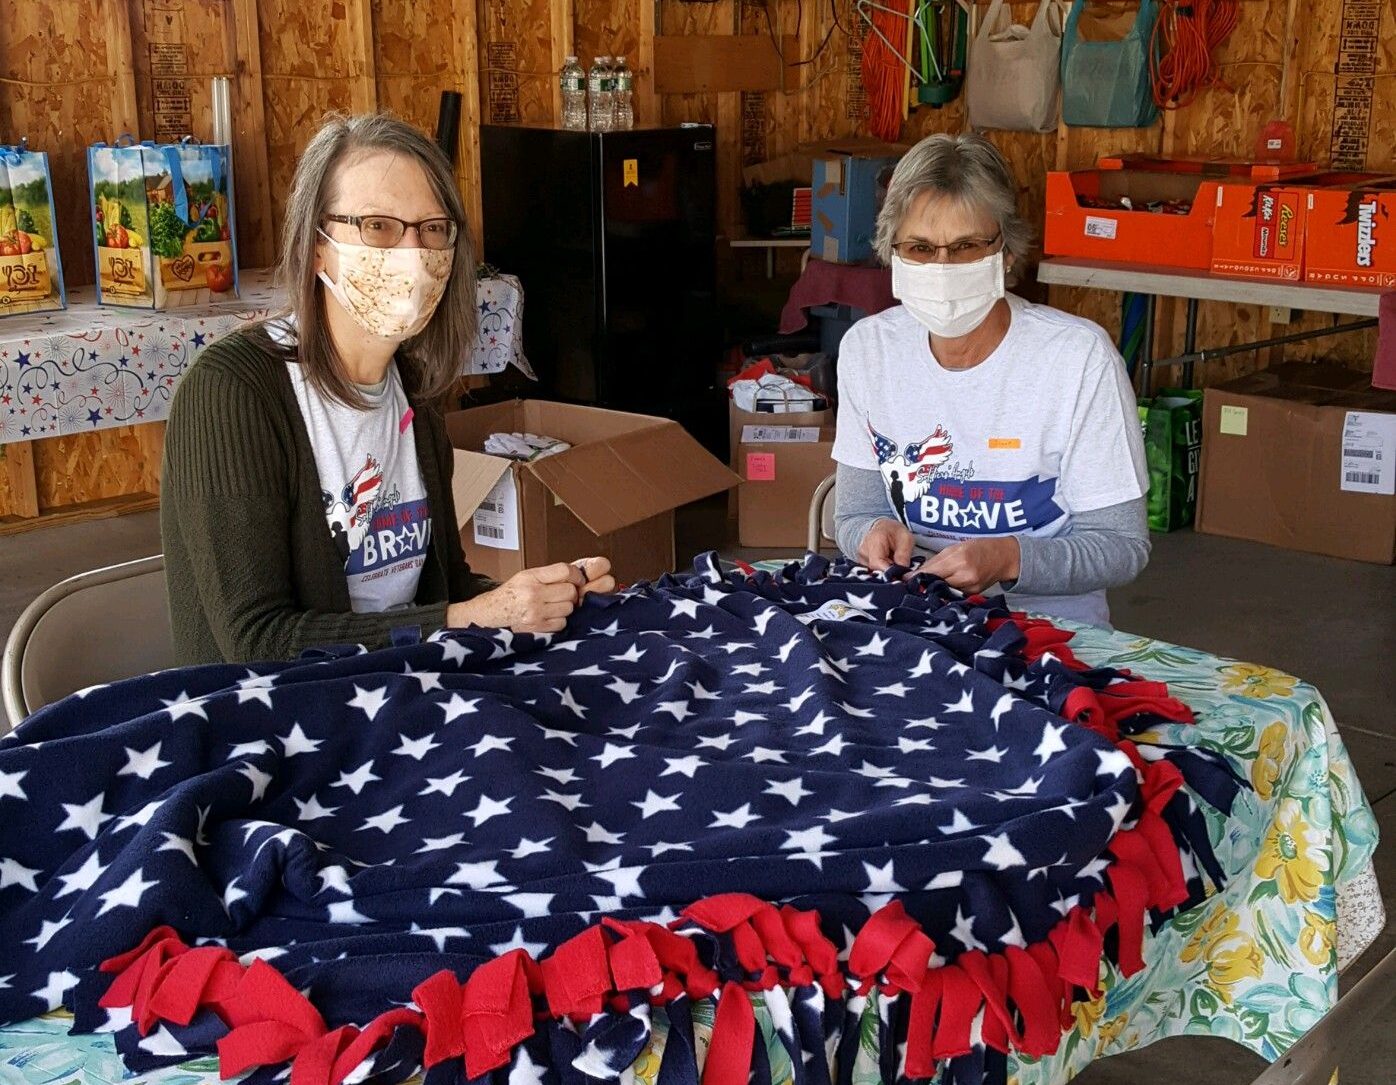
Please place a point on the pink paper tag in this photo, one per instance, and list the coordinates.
(404, 421)
(761, 466)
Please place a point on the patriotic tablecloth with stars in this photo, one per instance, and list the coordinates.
(886, 762)
(93, 367)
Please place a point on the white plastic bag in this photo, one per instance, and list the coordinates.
(1013, 79)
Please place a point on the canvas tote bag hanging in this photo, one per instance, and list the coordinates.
(1014, 76)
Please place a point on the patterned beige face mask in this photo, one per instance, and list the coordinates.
(390, 293)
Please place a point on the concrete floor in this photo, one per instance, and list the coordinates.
(1330, 622)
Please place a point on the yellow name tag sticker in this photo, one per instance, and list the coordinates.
(1234, 420)
(631, 168)
(1005, 442)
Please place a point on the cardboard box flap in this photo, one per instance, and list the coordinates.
(473, 478)
(622, 480)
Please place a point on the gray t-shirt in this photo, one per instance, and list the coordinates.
(375, 502)
(1045, 427)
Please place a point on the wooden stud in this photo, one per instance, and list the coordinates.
(561, 41)
(125, 108)
(363, 85)
(250, 169)
(24, 483)
(646, 96)
(465, 45)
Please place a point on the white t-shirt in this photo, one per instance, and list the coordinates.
(375, 502)
(1046, 426)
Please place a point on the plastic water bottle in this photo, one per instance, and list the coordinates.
(574, 95)
(624, 102)
(599, 94)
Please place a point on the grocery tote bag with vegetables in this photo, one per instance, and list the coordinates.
(162, 224)
(31, 273)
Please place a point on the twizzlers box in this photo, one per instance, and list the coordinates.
(1352, 237)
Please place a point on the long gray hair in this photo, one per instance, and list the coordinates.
(967, 168)
(433, 356)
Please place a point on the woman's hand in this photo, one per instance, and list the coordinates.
(975, 565)
(886, 543)
(535, 600)
(530, 601)
(597, 572)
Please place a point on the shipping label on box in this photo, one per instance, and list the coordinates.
(1369, 453)
(496, 518)
(757, 435)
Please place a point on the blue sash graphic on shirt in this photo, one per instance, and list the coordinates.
(394, 534)
(981, 506)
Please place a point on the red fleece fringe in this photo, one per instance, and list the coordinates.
(1025, 994)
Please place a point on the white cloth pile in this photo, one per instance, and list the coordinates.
(775, 393)
(524, 446)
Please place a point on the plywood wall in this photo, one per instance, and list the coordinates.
(88, 69)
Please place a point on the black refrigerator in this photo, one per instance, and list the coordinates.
(612, 236)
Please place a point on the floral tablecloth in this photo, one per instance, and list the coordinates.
(1257, 963)
(93, 367)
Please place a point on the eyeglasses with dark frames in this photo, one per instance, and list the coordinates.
(385, 231)
(965, 251)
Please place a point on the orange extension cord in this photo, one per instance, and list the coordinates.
(884, 77)
(1185, 37)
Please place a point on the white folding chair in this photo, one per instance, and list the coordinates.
(821, 516)
(93, 628)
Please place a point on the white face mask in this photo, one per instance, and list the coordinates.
(950, 300)
(390, 293)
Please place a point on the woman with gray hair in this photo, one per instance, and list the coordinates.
(995, 440)
(306, 497)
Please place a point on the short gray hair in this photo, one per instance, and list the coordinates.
(967, 168)
(433, 356)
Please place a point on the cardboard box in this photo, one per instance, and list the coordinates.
(1260, 231)
(1304, 457)
(612, 493)
(849, 184)
(1352, 236)
(781, 459)
(1129, 236)
(164, 236)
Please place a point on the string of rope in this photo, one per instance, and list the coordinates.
(883, 75)
(1182, 58)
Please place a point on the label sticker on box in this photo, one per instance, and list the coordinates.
(496, 520)
(1369, 453)
(761, 466)
(631, 170)
(1235, 420)
(1102, 228)
(759, 435)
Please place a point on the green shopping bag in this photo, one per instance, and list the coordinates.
(1105, 84)
(1172, 423)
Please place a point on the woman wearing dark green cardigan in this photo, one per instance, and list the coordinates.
(306, 496)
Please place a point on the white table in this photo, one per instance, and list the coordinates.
(1195, 286)
(770, 244)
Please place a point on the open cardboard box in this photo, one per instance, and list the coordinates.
(612, 493)
(1129, 236)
